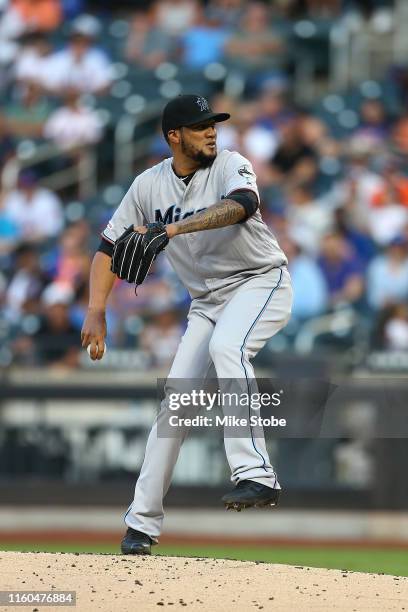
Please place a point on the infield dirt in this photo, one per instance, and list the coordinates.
(113, 583)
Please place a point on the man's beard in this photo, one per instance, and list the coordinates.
(200, 157)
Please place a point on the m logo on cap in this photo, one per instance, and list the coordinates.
(202, 103)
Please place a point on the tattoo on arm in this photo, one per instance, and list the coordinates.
(226, 212)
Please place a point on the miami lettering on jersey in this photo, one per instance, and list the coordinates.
(174, 214)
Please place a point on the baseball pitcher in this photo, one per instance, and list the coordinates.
(203, 207)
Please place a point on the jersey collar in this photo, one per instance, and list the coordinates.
(185, 179)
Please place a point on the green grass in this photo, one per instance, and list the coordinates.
(386, 560)
(389, 561)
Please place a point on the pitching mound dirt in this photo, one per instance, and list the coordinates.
(112, 583)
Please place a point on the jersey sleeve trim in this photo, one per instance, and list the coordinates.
(247, 198)
(240, 189)
(106, 246)
(104, 237)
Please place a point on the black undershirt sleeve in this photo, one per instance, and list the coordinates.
(248, 200)
(105, 247)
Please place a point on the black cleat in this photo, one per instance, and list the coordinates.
(136, 543)
(250, 494)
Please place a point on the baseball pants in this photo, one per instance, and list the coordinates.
(225, 330)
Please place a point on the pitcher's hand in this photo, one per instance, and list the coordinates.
(94, 332)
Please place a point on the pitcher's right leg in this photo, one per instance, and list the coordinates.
(192, 360)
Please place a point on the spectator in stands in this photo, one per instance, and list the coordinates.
(342, 270)
(294, 160)
(387, 275)
(227, 13)
(73, 124)
(25, 285)
(396, 329)
(158, 149)
(244, 134)
(257, 46)
(22, 16)
(361, 241)
(227, 132)
(81, 66)
(308, 218)
(11, 27)
(175, 16)
(392, 328)
(73, 260)
(359, 185)
(35, 210)
(161, 335)
(388, 215)
(7, 150)
(203, 43)
(273, 107)
(38, 15)
(25, 116)
(399, 141)
(148, 45)
(258, 142)
(9, 232)
(32, 61)
(374, 124)
(228, 135)
(309, 285)
(56, 341)
(315, 135)
(394, 185)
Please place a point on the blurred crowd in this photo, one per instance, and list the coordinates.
(336, 200)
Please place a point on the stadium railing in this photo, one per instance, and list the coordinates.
(79, 169)
(127, 148)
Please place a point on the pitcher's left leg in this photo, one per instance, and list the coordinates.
(256, 312)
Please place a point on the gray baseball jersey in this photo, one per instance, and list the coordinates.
(242, 297)
(208, 260)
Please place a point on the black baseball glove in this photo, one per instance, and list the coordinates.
(134, 253)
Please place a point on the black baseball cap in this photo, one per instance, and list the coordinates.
(187, 110)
